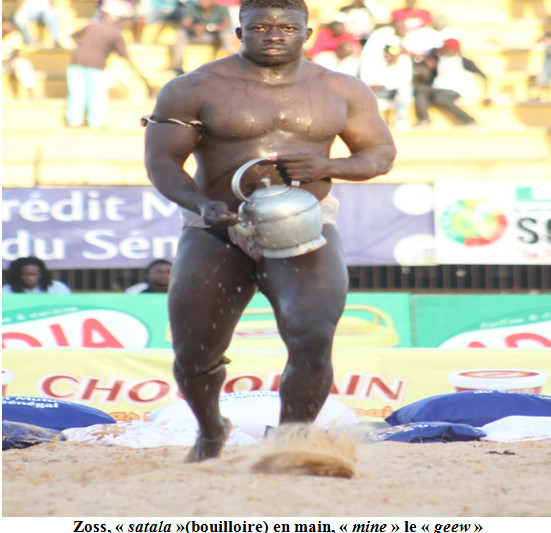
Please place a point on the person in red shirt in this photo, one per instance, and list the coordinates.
(414, 17)
(328, 40)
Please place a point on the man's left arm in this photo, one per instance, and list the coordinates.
(367, 136)
(471, 66)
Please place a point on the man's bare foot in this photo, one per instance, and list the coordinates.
(208, 448)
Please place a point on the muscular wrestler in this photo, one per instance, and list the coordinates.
(262, 101)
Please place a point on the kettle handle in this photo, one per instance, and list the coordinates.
(236, 180)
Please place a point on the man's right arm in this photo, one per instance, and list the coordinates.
(168, 146)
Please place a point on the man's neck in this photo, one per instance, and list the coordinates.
(271, 75)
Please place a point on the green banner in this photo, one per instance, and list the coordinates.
(483, 321)
(102, 320)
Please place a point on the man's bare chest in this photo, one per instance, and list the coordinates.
(303, 112)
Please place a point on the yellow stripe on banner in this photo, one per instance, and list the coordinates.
(129, 384)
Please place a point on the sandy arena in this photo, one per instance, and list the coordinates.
(314, 477)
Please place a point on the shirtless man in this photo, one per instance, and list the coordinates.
(262, 101)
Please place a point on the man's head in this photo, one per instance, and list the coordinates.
(399, 26)
(273, 32)
(337, 28)
(294, 5)
(451, 47)
(205, 4)
(158, 275)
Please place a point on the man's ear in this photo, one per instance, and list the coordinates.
(309, 32)
(239, 33)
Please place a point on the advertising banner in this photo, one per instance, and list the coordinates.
(93, 227)
(127, 227)
(374, 382)
(141, 320)
(483, 321)
(481, 223)
(386, 224)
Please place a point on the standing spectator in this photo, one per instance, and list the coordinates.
(372, 58)
(327, 41)
(129, 16)
(414, 17)
(27, 11)
(86, 79)
(204, 22)
(157, 277)
(446, 76)
(15, 65)
(360, 18)
(29, 275)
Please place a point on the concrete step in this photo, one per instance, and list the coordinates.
(81, 156)
(473, 144)
(43, 115)
(431, 171)
(437, 143)
(96, 172)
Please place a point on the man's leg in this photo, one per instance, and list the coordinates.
(51, 20)
(308, 294)
(97, 100)
(76, 97)
(211, 283)
(446, 98)
(422, 102)
(22, 18)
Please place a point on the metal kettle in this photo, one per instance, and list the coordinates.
(283, 220)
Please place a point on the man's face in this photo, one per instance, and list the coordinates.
(30, 275)
(205, 4)
(159, 274)
(273, 37)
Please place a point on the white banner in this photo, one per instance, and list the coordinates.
(493, 223)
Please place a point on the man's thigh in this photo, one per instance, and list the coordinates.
(211, 283)
(309, 289)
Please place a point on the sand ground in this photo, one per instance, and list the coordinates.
(320, 477)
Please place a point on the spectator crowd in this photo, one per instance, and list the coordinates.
(411, 57)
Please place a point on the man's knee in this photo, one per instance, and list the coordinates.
(189, 369)
(312, 345)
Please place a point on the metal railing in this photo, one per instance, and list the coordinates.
(439, 278)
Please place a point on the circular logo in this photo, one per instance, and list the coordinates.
(473, 222)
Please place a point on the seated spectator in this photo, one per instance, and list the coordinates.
(156, 280)
(413, 17)
(392, 84)
(29, 275)
(360, 18)
(203, 22)
(327, 41)
(443, 78)
(233, 7)
(86, 78)
(42, 11)
(150, 11)
(20, 68)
